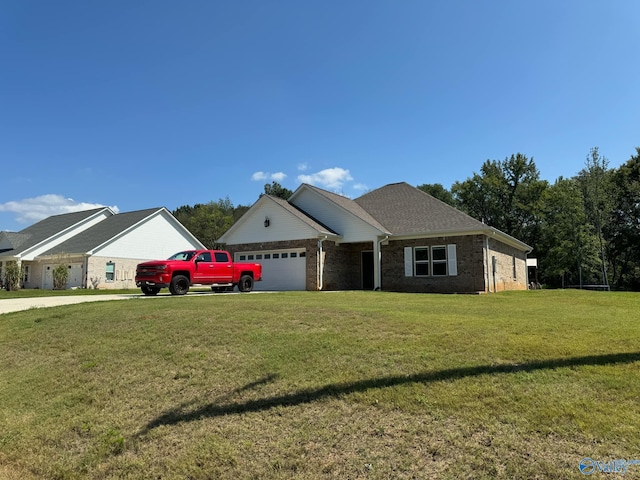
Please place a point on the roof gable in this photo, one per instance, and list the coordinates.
(286, 222)
(102, 232)
(340, 213)
(54, 229)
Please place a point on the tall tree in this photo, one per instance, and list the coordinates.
(569, 253)
(506, 195)
(597, 189)
(623, 229)
(438, 191)
(207, 222)
(277, 190)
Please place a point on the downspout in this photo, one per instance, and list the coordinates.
(320, 262)
(85, 272)
(377, 266)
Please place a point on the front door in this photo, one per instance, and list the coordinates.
(367, 270)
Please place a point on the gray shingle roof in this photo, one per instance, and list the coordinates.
(406, 210)
(14, 239)
(101, 232)
(44, 229)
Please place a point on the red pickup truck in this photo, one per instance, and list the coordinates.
(197, 267)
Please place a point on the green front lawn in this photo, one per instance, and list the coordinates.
(316, 385)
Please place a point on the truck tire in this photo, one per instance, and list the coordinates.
(246, 283)
(179, 285)
(147, 290)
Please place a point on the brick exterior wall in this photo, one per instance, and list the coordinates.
(342, 262)
(470, 262)
(125, 272)
(343, 265)
(503, 278)
(342, 268)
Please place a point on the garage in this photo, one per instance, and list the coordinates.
(281, 269)
(73, 281)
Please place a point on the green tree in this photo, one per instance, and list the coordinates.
(207, 222)
(623, 228)
(598, 193)
(505, 195)
(277, 190)
(568, 247)
(438, 191)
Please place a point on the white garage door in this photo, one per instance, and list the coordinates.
(74, 280)
(75, 275)
(281, 269)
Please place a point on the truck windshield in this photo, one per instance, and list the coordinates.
(186, 256)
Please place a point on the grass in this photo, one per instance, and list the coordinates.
(311, 385)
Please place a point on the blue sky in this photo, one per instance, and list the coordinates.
(140, 104)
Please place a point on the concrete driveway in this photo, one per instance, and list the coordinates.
(8, 305)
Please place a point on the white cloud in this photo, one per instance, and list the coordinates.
(333, 178)
(360, 187)
(262, 176)
(303, 166)
(259, 176)
(278, 177)
(31, 210)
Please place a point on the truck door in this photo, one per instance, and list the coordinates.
(222, 268)
(204, 268)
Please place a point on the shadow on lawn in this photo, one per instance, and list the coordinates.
(179, 414)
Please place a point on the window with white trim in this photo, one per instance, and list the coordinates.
(434, 261)
(439, 260)
(110, 271)
(421, 262)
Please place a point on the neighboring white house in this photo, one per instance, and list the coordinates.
(100, 248)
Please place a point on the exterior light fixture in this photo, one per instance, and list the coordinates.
(266, 222)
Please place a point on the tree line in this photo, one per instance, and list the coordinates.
(209, 221)
(584, 229)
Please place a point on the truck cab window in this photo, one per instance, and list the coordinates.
(204, 257)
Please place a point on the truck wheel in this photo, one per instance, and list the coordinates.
(179, 285)
(147, 290)
(246, 283)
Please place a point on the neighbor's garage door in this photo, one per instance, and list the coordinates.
(281, 269)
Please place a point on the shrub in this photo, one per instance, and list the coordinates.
(60, 277)
(12, 276)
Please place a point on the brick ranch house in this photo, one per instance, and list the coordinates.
(100, 248)
(395, 238)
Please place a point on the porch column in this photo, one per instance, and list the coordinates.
(377, 262)
(376, 265)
